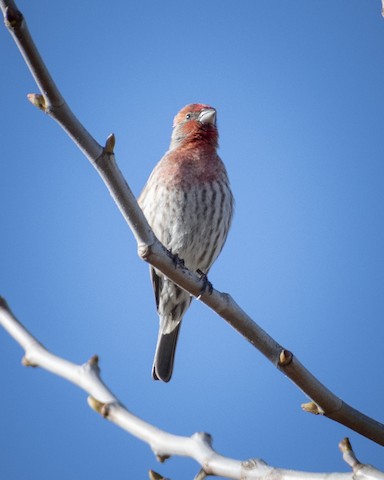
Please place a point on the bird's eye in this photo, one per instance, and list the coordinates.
(187, 116)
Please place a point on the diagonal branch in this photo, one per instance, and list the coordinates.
(163, 444)
(324, 402)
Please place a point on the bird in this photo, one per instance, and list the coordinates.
(189, 204)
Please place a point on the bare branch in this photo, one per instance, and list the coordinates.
(163, 444)
(324, 402)
(52, 103)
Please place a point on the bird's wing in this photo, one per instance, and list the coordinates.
(157, 283)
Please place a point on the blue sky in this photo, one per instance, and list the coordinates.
(299, 91)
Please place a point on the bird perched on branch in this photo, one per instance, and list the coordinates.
(188, 203)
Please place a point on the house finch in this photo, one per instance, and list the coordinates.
(188, 203)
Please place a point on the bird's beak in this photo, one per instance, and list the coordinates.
(208, 116)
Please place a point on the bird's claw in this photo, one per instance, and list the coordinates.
(207, 285)
(177, 261)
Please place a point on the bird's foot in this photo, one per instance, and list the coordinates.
(177, 261)
(207, 285)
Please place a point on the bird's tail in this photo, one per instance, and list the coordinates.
(165, 354)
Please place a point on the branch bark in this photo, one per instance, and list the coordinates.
(324, 402)
(163, 444)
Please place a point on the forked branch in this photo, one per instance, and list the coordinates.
(163, 444)
(323, 402)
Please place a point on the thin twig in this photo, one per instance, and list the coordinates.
(360, 470)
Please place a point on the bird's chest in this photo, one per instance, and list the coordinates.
(193, 168)
(182, 216)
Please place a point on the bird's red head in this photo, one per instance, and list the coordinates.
(195, 123)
